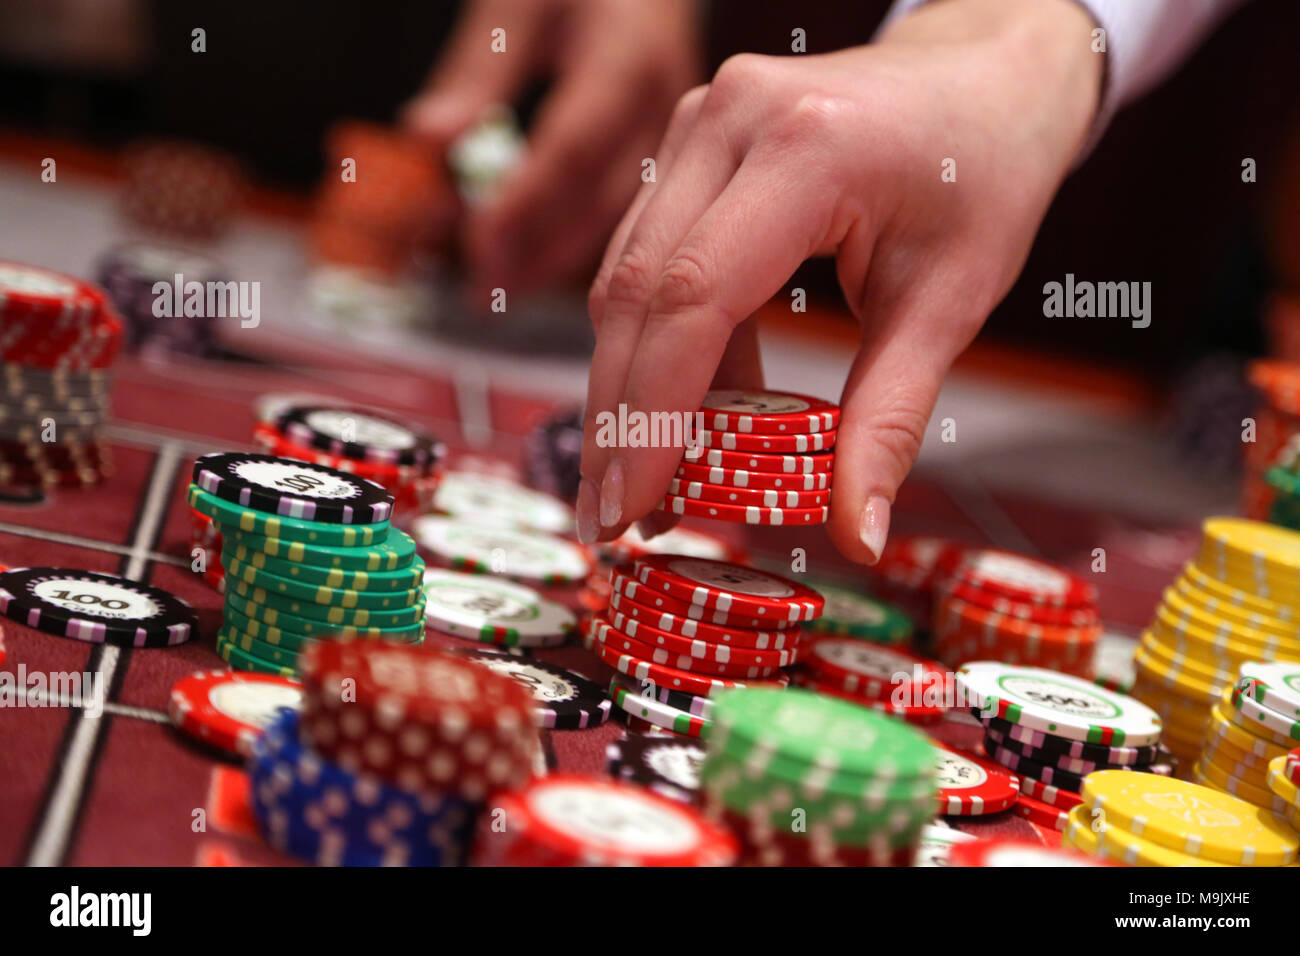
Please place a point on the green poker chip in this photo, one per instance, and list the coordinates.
(403, 579)
(273, 618)
(822, 733)
(240, 660)
(494, 611)
(251, 646)
(767, 769)
(850, 614)
(317, 593)
(277, 636)
(230, 516)
(353, 617)
(394, 552)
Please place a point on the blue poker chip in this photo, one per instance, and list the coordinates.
(317, 811)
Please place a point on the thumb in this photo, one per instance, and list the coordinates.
(476, 71)
(886, 405)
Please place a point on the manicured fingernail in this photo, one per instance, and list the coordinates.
(611, 494)
(873, 528)
(588, 507)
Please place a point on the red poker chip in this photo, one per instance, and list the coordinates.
(686, 626)
(416, 716)
(744, 514)
(956, 616)
(730, 588)
(867, 669)
(1292, 766)
(669, 678)
(230, 709)
(629, 587)
(747, 478)
(971, 786)
(912, 713)
(768, 413)
(46, 299)
(567, 819)
(768, 444)
(730, 651)
(1052, 796)
(920, 561)
(823, 463)
(765, 845)
(722, 662)
(1025, 579)
(1044, 814)
(758, 497)
(1017, 853)
(1085, 617)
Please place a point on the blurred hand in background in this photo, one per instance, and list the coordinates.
(616, 67)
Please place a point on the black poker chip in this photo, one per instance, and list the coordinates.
(1097, 753)
(668, 765)
(1055, 776)
(97, 608)
(565, 700)
(293, 489)
(360, 434)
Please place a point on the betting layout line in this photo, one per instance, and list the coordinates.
(66, 791)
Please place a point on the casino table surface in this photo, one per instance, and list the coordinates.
(126, 788)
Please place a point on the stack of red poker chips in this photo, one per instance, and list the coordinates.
(885, 679)
(400, 455)
(419, 718)
(574, 820)
(763, 458)
(594, 595)
(681, 628)
(1007, 607)
(180, 188)
(59, 336)
(911, 568)
(205, 545)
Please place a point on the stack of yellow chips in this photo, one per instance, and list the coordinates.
(1146, 820)
(1238, 601)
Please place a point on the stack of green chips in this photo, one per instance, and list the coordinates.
(806, 779)
(850, 613)
(290, 582)
(1285, 480)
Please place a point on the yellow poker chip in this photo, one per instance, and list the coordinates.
(1282, 786)
(1259, 795)
(1186, 600)
(1220, 606)
(1176, 678)
(1078, 835)
(1194, 665)
(1221, 727)
(1221, 763)
(1254, 541)
(1189, 818)
(1219, 636)
(1207, 582)
(1226, 754)
(1115, 844)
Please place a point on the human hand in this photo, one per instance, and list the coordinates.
(780, 159)
(618, 68)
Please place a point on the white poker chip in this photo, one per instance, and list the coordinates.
(1276, 685)
(936, 843)
(511, 552)
(494, 611)
(1058, 704)
(484, 498)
